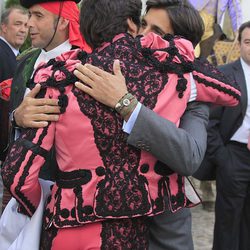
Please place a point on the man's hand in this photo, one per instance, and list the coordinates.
(101, 85)
(35, 113)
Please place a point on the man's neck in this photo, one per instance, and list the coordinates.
(59, 47)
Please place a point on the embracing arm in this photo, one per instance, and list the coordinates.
(182, 149)
(34, 112)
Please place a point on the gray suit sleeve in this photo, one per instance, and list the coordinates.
(183, 148)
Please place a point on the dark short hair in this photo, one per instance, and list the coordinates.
(185, 19)
(101, 20)
(241, 29)
(6, 13)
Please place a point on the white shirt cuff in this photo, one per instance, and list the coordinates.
(128, 126)
(193, 94)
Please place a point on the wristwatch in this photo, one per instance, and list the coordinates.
(12, 119)
(123, 103)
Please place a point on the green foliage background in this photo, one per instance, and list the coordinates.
(8, 4)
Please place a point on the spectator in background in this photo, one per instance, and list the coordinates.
(228, 151)
(212, 13)
(13, 32)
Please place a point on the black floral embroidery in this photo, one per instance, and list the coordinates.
(115, 196)
(125, 234)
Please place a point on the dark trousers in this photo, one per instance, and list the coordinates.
(169, 231)
(232, 208)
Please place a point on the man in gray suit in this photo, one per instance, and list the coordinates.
(228, 151)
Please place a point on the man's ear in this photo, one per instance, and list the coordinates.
(63, 23)
(3, 28)
(132, 27)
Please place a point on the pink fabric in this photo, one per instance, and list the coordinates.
(153, 41)
(214, 95)
(84, 238)
(70, 12)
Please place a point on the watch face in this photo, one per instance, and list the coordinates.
(126, 102)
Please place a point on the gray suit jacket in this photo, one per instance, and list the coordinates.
(182, 149)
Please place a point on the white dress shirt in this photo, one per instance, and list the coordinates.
(243, 132)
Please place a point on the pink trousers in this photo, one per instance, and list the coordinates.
(109, 235)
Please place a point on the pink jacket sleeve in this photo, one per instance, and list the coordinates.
(21, 168)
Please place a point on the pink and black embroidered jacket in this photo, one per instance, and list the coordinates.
(100, 176)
